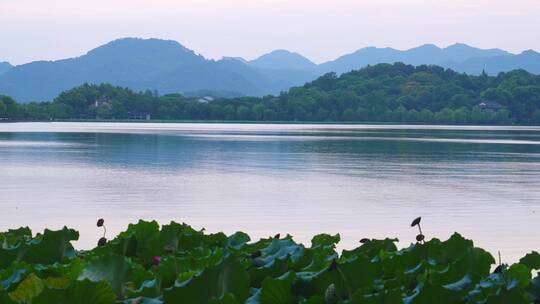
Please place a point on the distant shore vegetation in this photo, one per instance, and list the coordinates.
(396, 93)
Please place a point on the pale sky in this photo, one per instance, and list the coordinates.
(320, 30)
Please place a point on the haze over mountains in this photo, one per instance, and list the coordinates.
(169, 67)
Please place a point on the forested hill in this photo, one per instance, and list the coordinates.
(380, 93)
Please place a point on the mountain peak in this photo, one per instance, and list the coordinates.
(141, 64)
(5, 66)
(134, 41)
(429, 46)
(138, 51)
(235, 58)
(458, 46)
(462, 49)
(530, 52)
(138, 46)
(282, 52)
(282, 60)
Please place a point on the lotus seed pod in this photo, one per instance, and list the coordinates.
(330, 295)
(420, 237)
(100, 222)
(102, 241)
(416, 221)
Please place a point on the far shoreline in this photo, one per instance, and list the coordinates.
(273, 122)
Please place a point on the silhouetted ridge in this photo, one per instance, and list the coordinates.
(169, 67)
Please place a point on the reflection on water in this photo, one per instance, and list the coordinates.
(361, 181)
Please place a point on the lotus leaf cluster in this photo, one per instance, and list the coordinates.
(176, 264)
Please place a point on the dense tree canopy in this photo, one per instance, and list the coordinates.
(380, 93)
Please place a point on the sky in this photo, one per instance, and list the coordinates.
(320, 30)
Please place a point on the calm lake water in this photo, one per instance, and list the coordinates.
(358, 180)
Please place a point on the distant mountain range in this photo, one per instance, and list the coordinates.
(169, 67)
(425, 54)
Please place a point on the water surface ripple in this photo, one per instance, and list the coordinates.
(358, 180)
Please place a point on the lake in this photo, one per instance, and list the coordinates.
(358, 180)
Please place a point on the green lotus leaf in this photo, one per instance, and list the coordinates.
(15, 236)
(531, 260)
(11, 254)
(372, 248)
(58, 283)
(279, 290)
(322, 240)
(123, 244)
(534, 290)
(254, 298)
(315, 260)
(170, 235)
(111, 268)
(214, 282)
(311, 283)
(182, 237)
(4, 297)
(238, 240)
(146, 235)
(149, 289)
(512, 296)
(317, 299)
(15, 277)
(273, 269)
(227, 298)
(479, 261)
(137, 274)
(79, 292)
(190, 238)
(142, 300)
(70, 269)
(187, 275)
(488, 286)
(51, 247)
(461, 285)
(355, 274)
(46, 248)
(167, 271)
(455, 247)
(520, 273)
(429, 294)
(30, 287)
(384, 297)
(279, 249)
(215, 240)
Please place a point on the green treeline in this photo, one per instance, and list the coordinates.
(380, 93)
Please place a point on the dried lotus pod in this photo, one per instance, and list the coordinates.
(102, 241)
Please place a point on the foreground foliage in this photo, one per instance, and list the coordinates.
(149, 264)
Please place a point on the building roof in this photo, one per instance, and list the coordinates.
(205, 99)
(490, 104)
